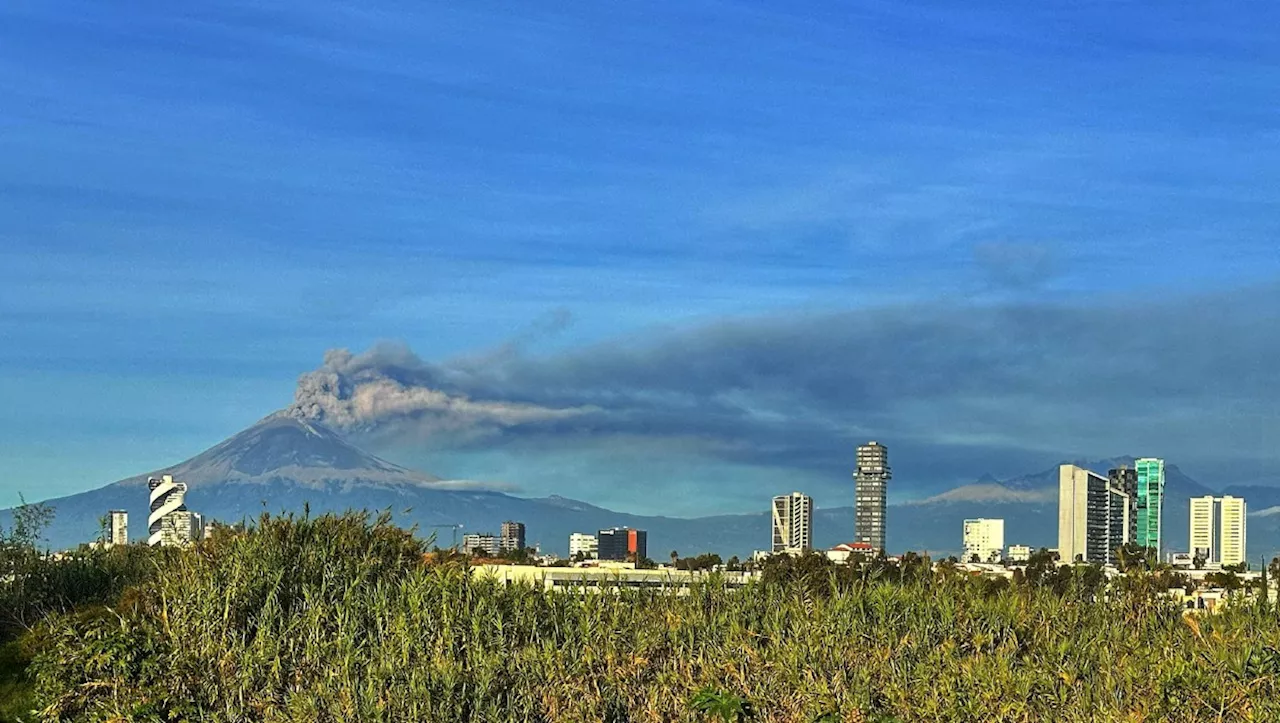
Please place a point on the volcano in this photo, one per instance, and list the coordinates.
(281, 448)
(282, 463)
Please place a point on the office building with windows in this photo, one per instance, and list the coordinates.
(870, 479)
(983, 539)
(792, 523)
(1218, 530)
(1019, 553)
(169, 522)
(623, 544)
(584, 544)
(482, 543)
(1093, 516)
(512, 536)
(119, 521)
(1149, 502)
(1126, 478)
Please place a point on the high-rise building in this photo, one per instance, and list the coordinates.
(983, 538)
(792, 523)
(1126, 479)
(512, 536)
(178, 528)
(1093, 516)
(1150, 502)
(585, 544)
(622, 543)
(1233, 538)
(1218, 533)
(119, 527)
(1202, 539)
(869, 491)
(169, 523)
(487, 544)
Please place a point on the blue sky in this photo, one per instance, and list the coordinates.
(201, 200)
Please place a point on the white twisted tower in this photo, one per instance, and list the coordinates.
(168, 499)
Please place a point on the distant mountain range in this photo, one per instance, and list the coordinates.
(281, 463)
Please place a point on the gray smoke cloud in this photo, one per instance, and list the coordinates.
(958, 390)
(389, 386)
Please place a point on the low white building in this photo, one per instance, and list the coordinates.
(983, 538)
(604, 576)
(840, 554)
(1019, 553)
(584, 544)
(488, 544)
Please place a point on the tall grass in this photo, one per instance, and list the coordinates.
(340, 619)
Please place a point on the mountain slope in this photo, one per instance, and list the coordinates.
(281, 464)
(283, 448)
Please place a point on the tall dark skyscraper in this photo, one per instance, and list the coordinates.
(1126, 480)
(869, 504)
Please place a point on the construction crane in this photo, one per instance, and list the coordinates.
(455, 529)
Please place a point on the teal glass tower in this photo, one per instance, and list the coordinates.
(1150, 502)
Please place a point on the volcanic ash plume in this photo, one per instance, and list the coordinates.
(389, 386)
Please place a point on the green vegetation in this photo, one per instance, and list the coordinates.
(344, 618)
(16, 695)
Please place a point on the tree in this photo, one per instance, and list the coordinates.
(29, 523)
(520, 555)
(1041, 569)
(705, 561)
(23, 564)
(1226, 579)
(1275, 575)
(1131, 556)
(1264, 592)
(674, 556)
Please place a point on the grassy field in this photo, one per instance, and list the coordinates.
(340, 619)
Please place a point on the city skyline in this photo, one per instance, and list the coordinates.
(605, 244)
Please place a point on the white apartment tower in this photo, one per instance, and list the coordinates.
(792, 523)
(1093, 516)
(870, 478)
(1218, 529)
(119, 527)
(583, 543)
(983, 538)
